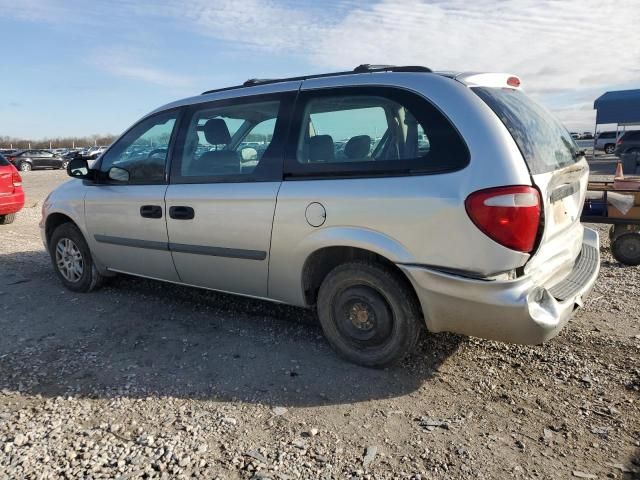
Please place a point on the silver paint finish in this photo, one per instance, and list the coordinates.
(411, 221)
(230, 216)
(114, 211)
(517, 311)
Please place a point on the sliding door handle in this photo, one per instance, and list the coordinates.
(181, 213)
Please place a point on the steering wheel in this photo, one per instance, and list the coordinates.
(156, 152)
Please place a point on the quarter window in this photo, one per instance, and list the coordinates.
(374, 131)
(143, 151)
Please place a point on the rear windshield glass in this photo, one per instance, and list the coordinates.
(545, 143)
(3, 161)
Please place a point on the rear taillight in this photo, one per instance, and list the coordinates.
(16, 179)
(507, 215)
(619, 142)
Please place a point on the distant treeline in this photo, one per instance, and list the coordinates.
(57, 142)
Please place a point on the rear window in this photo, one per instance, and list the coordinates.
(3, 161)
(632, 135)
(545, 143)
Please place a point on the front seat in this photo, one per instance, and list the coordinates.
(358, 147)
(219, 162)
(321, 149)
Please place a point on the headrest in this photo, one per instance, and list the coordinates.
(321, 149)
(358, 147)
(216, 132)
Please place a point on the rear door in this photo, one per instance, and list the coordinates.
(556, 168)
(222, 194)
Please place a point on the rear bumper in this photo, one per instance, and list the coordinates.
(11, 203)
(516, 311)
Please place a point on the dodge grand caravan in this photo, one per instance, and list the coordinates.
(387, 198)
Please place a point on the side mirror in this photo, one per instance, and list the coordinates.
(248, 154)
(118, 174)
(78, 168)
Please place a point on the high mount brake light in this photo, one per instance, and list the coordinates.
(513, 82)
(508, 215)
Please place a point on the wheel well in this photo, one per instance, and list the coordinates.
(54, 221)
(322, 261)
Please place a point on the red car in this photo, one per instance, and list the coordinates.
(11, 193)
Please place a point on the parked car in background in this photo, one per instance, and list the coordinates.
(606, 141)
(586, 136)
(628, 149)
(575, 135)
(457, 219)
(11, 193)
(8, 151)
(94, 152)
(27, 160)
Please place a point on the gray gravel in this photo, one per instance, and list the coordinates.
(150, 380)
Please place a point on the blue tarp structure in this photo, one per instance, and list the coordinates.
(621, 107)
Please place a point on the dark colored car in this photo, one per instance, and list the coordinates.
(628, 149)
(11, 193)
(27, 160)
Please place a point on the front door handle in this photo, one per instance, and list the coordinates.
(181, 213)
(151, 211)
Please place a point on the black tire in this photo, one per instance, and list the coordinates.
(7, 219)
(25, 167)
(626, 248)
(368, 314)
(89, 279)
(609, 148)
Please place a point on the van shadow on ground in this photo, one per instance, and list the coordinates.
(136, 338)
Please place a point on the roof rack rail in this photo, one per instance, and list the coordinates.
(364, 68)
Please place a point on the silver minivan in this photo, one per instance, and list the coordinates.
(387, 198)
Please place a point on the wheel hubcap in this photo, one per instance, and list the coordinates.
(363, 316)
(69, 260)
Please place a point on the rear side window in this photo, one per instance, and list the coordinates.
(3, 161)
(363, 131)
(544, 142)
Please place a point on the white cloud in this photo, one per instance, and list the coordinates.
(125, 64)
(554, 46)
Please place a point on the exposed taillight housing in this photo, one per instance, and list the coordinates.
(508, 215)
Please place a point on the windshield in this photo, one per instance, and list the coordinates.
(544, 142)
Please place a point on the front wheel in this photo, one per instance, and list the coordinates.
(72, 260)
(368, 314)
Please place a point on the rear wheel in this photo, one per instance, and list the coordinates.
(626, 248)
(25, 167)
(368, 314)
(7, 219)
(64, 165)
(609, 148)
(72, 260)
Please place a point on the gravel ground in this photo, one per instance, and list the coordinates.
(148, 380)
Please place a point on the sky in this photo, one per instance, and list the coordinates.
(82, 67)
